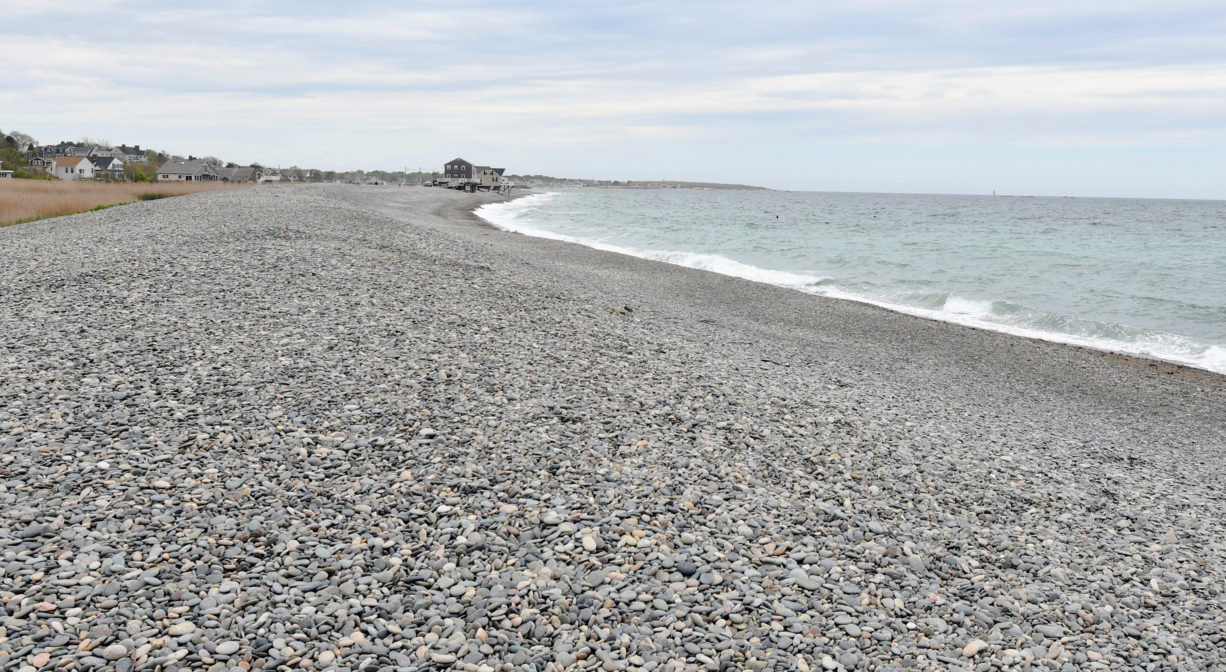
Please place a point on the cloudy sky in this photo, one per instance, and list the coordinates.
(1086, 98)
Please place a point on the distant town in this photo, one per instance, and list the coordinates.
(21, 156)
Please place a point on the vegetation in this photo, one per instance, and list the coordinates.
(29, 200)
(15, 146)
(11, 155)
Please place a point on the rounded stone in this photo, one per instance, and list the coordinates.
(973, 648)
(180, 629)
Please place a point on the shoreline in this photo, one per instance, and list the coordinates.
(420, 441)
(1165, 365)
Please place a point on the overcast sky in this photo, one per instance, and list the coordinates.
(1086, 98)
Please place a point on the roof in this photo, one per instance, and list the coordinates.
(237, 173)
(184, 167)
(459, 160)
(70, 160)
(104, 162)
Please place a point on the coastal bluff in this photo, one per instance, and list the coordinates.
(340, 427)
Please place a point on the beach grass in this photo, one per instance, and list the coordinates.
(30, 200)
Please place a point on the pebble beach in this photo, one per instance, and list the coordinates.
(339, 427)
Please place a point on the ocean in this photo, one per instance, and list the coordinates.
(1137, 276)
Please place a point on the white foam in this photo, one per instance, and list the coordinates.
(958, 305)
(508, 215)
(1214, 358)
(725, 266)
(511, 216)
(1166, 347)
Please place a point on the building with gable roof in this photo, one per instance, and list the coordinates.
(72, 168)
(190, 169)
(458, 169)
(460, 174)
(240, 174)
(107, 167)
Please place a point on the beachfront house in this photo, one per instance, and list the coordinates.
(460, 174)
(458, 169)
(488, 178)
(40, 163)
(72, 168)
(190, 169)
(5, 174)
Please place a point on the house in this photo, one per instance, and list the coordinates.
(108, 168)
(458, 169)
(130, 154)
(190, 169)
(72, 168)
(240, 174)
(460, 174)
(62, 149)
(5, 174)
(488, 178)
(40, 162)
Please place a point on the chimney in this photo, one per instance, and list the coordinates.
(136, 147)
(190, 157)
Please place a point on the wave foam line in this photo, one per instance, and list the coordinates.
(977, 313)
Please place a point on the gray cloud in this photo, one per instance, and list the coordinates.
(550, 84)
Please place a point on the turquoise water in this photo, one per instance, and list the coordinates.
(1139, 276)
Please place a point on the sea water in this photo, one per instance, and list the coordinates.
(1137, 276)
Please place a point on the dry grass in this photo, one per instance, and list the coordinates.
(28, 200)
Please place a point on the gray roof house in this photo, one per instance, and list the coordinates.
(240, 174)
(130, 154)
(62, 149)
(187, 170)
(109, 166)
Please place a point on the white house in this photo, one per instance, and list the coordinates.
(5, 174)
(72, 168)
(107, 167)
